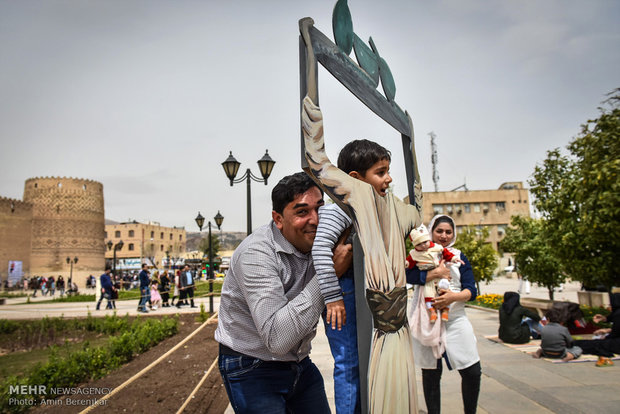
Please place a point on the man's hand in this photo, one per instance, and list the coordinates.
(343, 254)
(336, 314)
(598, 318)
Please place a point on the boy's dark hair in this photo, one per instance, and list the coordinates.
(554, 315)
(108, 267)
(360, 155)
(290, 187)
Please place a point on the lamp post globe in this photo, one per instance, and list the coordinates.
(231, 167)
(200, 220)
(265, 165)
(218, 220)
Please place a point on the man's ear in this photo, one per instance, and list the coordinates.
(277, 218)
(356, 175)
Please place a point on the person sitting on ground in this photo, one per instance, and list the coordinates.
(556, 340)
(427, 255)
(517, 324)
(609, 343)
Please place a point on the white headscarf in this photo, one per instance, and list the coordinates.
(430, 228)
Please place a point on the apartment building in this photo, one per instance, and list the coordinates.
(480, 208)
(148, 243)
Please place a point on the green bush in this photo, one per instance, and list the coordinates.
(92, 363)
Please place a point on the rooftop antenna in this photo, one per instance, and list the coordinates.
(464, 186)
(434, 160)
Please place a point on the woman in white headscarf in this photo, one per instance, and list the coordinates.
(460, 341)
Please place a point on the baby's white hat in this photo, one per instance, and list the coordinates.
(419, 235)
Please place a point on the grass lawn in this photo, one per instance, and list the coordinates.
(19, 363)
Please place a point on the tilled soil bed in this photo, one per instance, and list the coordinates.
(165, 387)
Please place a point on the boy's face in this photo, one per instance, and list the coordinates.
(378, 176)
(422, 247)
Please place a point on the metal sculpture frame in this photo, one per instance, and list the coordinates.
(314, 48)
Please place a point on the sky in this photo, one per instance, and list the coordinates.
(149, 97)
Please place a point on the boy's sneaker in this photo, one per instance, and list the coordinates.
(604, 362)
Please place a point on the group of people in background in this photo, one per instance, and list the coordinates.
(49, 285)
(155, 289)
(518, 324)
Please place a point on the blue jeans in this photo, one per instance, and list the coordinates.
(109, 305)
(535, 327)
(343, 345)
(256, 386)
(145, 296)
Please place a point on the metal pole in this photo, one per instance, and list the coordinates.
(71, 271)
(210, 272)
(248, 175)
(114, 265)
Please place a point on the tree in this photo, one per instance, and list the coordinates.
(528, 239)
(481, 255)
(579, 197)
(203, 246)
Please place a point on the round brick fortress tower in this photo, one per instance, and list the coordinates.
(67, 221)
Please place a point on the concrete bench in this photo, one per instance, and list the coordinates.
(539, 306)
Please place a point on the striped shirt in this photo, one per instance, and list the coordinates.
(270, 303)
(332, 223)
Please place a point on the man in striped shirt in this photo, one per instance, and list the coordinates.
(270, 306)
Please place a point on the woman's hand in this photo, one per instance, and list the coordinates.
(602, 331)
(598, 318)
(440, 272)
(447, 297)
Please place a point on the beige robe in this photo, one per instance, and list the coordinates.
(382, 224)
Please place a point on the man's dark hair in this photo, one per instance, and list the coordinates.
(360, 155)
(144, 265)
(108, 267)
(290, 187)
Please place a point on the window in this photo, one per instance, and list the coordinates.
(485, 208)
(180, 237)
(501, 229)
(476, 208)
(449, 208)
(130, 233)
(161, 248)
(170, 236)
(117, 233)
(161, 235)
(130, 247)
(438, 208)
(152, 234)
(105, 234)
(466, 207)
(500, 206)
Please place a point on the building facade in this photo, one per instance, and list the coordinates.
(148, 243)
(480, 208)
(15, 234)
(59, 218)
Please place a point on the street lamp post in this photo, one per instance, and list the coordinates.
(117, 247)
(200, 222)
(71, 262)
(231, 167)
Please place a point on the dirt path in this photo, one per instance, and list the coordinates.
(165, 387)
